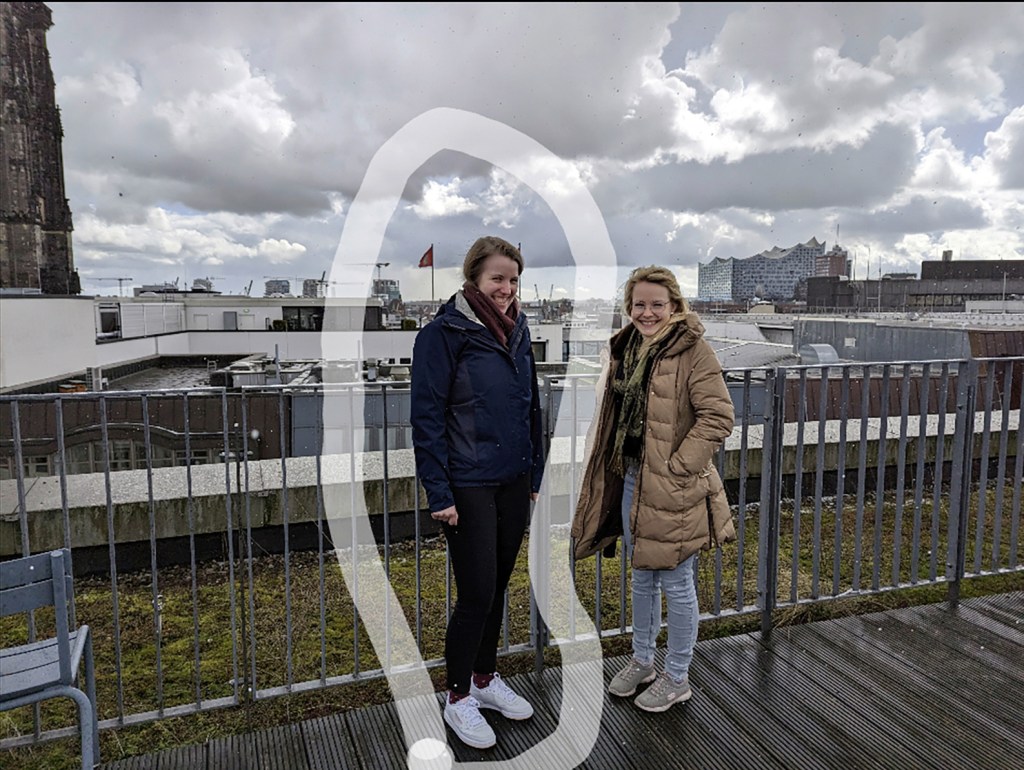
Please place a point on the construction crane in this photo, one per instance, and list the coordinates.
(121, 281)
(323, 283)
(378, 265)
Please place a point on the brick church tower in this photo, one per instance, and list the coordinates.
(35, 219)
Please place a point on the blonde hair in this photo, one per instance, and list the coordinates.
(661, 276)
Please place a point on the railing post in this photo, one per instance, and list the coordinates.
(541, 551)
(771, 493)
(960, 478)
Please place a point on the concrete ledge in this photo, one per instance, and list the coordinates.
(280, 491)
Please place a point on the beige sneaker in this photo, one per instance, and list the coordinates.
(663, 693)
(630, 677)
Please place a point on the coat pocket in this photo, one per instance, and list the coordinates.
(692, 488)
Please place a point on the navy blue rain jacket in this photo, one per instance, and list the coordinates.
(475, 405)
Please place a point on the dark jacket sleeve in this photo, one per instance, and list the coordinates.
(433, 367)
(536, 428)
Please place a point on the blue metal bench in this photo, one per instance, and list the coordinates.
(48, 668)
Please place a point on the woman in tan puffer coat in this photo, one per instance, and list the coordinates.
(650, 477)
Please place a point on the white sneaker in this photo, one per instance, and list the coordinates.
(499, 696)
(465, 719)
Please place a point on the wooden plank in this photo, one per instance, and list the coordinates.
(920, 687)
(808, 713)
(281, 748)
(872, 700)
(377, 736)
(183, 758)
(329, 745)
(884, 686)
(959, 676)
(928, 689)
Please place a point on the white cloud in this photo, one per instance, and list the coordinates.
(279, 252)
(210, 135)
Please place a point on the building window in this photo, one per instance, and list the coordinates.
(303, 319)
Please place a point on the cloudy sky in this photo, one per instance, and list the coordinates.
(235, 141)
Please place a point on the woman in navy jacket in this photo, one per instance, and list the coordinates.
(477, 435)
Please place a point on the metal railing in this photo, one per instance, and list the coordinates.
(219, 585)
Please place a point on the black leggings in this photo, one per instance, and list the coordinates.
(483, 548)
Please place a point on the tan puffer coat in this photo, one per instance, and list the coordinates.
(679, 502)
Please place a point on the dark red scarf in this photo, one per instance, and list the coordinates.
(500, 324)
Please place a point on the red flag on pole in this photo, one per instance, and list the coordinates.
(427, 260)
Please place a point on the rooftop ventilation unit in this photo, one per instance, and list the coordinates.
(818, 353)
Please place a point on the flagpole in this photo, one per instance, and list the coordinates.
(433, 296)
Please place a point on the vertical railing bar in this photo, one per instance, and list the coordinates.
(1018, 470)
(153, 563)
(574, 483)
(771, 491)
(986, 448)
(19, 475)
(798, 478)
(883, 438)
(940, 458)
(65, 510)
(229, 524)
(901, 475)
(318, 401)
(960, 478)
(190, 508)
(717, 596)
(840, 507)
(417, 529)
(741, 518)
(862, 461)
(997, 511)
(252, 687)
(539, 591)
(819, 476)
(354, 588)
(386, 516)
(924, 391)
(112, 555)
(286, 526)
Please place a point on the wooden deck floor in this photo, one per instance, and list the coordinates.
(920, 687)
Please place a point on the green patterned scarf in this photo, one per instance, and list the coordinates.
(631, 388)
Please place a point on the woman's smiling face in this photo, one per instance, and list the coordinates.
(499, 280)
(650, 308)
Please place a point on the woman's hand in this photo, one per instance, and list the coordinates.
(447, 516)
(535, 496)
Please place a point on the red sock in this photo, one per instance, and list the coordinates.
(454, 697)
(482, 680)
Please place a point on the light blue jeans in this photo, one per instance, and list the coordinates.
(680, 588)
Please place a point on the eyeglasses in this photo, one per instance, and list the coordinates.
(656, 307)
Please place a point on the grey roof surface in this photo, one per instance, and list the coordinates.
(747, 354)
(164, 378)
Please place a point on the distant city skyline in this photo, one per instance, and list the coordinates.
(207, 140)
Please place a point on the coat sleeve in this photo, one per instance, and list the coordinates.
(536, 428)
(713, 411)
(433, 368)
